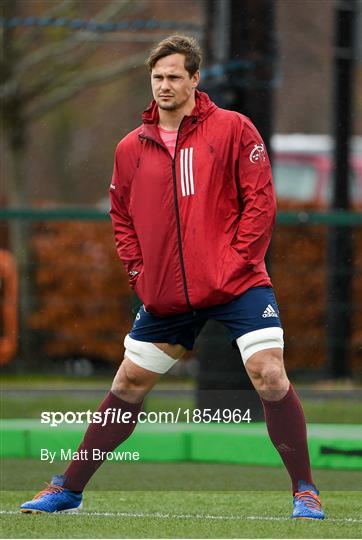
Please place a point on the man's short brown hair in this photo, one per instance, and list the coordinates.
(188, 46)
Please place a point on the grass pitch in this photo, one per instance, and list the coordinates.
(171, 514)
(187, 513)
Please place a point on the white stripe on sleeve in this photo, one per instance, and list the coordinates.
(182, 172)
(187, 185)
(192, 188)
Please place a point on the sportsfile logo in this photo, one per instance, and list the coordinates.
(110, 415)
(117, 416)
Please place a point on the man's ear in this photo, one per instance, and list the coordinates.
(196, 78)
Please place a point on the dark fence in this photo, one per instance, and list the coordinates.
(75, 303)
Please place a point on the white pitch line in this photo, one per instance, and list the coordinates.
(159, 515)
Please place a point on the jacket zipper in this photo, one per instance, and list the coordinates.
(178, 223)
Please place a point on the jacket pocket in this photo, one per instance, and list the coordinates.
(138, 284)
(233, 268)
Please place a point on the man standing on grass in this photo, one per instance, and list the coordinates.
(193, 209)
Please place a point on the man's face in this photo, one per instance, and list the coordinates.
(172, 86)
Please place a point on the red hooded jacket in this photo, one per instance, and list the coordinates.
(192, 231)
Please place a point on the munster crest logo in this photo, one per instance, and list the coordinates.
(257, 154)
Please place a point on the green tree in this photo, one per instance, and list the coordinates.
(41, 69)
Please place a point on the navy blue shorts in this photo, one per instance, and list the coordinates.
(255, 309)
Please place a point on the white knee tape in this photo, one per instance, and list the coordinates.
(147, 355)
(265, 338)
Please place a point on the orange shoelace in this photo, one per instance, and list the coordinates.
(310, 499)
(51, 488)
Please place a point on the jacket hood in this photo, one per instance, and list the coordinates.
(203, 108)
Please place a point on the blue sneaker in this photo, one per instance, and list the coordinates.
(54, 498)
(307, 504)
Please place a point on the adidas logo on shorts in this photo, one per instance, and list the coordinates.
(269, 311)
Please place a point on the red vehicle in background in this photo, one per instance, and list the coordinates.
(303, 169)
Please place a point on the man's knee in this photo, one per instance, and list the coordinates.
(266, 365)
(132, 383)
(267, 372)
(262, 353)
